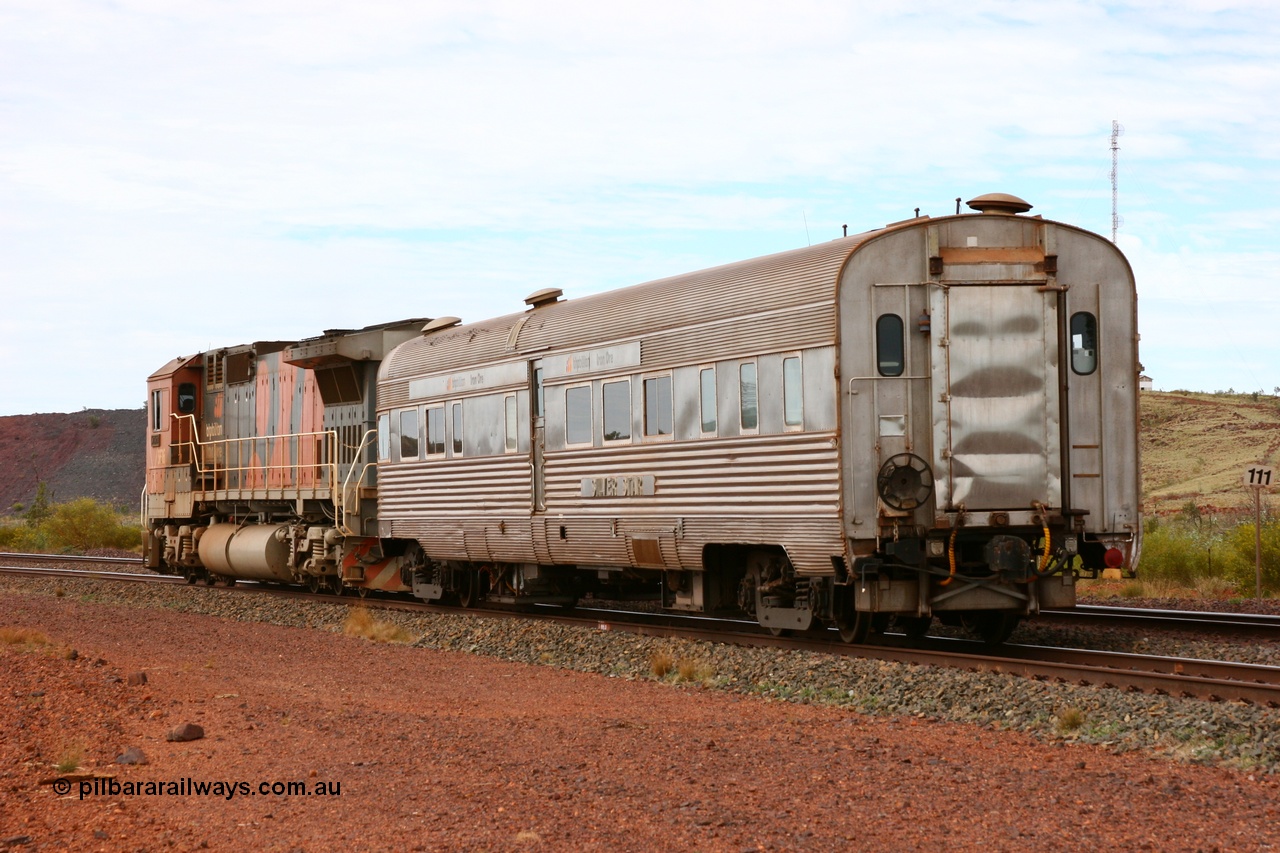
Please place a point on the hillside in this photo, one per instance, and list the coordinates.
(1195, 447)
(96, 453)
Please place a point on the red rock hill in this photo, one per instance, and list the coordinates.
(97, 453)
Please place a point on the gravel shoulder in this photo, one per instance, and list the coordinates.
(491, 734)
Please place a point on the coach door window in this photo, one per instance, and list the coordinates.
(617, 410)
(1084, 343)
(707, 399)
(792, 393)
(657, 406)
(749, 406)
(409, 434)
(513, 426)
(577, 404)
(384, 436)
(889, 345)
(457, 429)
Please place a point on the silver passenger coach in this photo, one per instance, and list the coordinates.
(937, 418)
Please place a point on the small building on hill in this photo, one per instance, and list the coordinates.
(1144, 382)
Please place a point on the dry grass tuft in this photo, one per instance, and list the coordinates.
(70, 760)
(1215, 587)
(661, 663)
(692, 670)
(360, 623)
(528, 836)
(28, 637)
(1069, 720)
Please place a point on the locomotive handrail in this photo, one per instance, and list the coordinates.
(327, 452)
(341, 509)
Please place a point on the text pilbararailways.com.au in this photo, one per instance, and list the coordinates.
(188, 787)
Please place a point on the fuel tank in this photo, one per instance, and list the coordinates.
(252, 552)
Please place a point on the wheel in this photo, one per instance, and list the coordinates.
(854, 626)
(469, 588)
(228, 582)
(991, 627)
(335, 585)
(362, 591)
(914, 627)
(313, 584)
(778, 632)
(210, 580)
(190, 575)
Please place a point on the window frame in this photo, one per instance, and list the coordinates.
(901, 343)
(157, 408)
(511, 415)
(416, 437)
(702, 402)
(604, 411)
(384, 437)
(1071, 343)
(437, 410)
(458, 433)
(742, 400)
(570, 389)
(645, 381)
(798, 388)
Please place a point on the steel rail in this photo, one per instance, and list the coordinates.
(1189, 677)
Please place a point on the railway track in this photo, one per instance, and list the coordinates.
(1175, 676)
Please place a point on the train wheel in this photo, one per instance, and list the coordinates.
(992, 627)
(469, 588)
(362, 591)
(335, 585)
(190, 575)
(778, 632)
(854, 627)
(313, 584)
(210, 580)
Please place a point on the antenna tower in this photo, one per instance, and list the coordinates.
(1117, 130)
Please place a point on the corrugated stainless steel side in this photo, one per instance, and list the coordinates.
(797, 281)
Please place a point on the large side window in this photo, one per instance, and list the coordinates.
(749, 407)
(577, 404)
(889, 345)
(617, 410)
(707, 398)
(792, 392)
(1084, 343)
(657, 406)
(409, 434)
(157, 415)
(187, 398)
(435, 431)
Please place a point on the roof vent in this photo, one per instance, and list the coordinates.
(998, 203)
(440, 323)
(543, 297)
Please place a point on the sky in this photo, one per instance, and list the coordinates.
(180, 176)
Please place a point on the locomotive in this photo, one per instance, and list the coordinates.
(937, 418)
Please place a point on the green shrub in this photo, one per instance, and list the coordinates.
(1242, 567)
(72, 527)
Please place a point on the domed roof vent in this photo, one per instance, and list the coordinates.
(546, 296)
(998, 203)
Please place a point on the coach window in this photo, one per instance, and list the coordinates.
(409, 434)
(617, 410)
(157, 418)
(384, 436)
(187, 398)
(707, 399)
(457, 429)
(792, 393)
(749, 407)
(577, 405)
(513, 426)
(657, 406)
(435, 431)
(1084, 343)
(889, 345)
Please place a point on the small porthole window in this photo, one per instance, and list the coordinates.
(890, 351)
(1084, 343)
